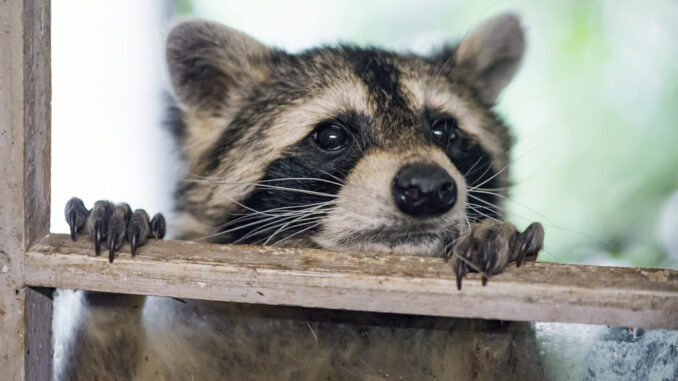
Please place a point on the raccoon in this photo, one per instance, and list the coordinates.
(341, 148)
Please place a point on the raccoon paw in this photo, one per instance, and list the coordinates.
(490, 245)
(113, 224)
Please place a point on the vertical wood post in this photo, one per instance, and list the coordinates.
(25, 115)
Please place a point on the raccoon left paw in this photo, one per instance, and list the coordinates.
(490, 246)
(113, 224)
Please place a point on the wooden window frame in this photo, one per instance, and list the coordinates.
(33, 262)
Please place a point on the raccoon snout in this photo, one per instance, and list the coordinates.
(424, 190)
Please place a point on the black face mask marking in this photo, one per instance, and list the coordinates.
(472, 161)
(298, 188)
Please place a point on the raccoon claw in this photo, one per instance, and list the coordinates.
(97, 223)
(98, 236)
(76, 215)
(117, 227)
(113, 224)
(133, 242)
(158, 226)
(529, 243)
(460, 271)
(490, 246)
(138, 229)
(71, 224)
(111, 252)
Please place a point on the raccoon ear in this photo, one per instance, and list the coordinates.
(489, 56)
(209, 62)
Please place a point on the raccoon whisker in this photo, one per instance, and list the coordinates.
(491, 205)
(275, 226)
(276, 219)
(222, 232)
(299, 232)
(338, 179)
(237, 202)
(485, 169)
(261, 229)
(472, 265)
(451, 243)
(305, 191)
(481, 177)
(549, 222)
(476, 186)
(515, 202)
(276, 223)
(248, 216)
(473, 166)
(259, 184)
(356, 142)
(283, 228)
(487, 208)
(465, 260)
(291, 225)
(487, 205)
(461, 232)
(490, 189)
(479, 191)
(475, 197)
(482, 214)
(360, 187)
(303, 179)
(268, 211)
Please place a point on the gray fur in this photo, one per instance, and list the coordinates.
(244, 114)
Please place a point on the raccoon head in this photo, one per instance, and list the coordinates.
(340, 147)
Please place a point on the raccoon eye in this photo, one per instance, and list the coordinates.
(444, 130)
(330, 136)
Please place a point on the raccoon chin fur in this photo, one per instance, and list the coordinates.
(343, 148)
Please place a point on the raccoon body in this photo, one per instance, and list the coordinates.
(342, 148)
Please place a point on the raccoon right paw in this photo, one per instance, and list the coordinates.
(113, 224)
(490, 245)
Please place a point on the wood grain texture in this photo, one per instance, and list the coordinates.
(25, 96)
(315, 278)
(37, 158)
(12, 295)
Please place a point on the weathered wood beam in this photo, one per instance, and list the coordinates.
(25, 97)
(315, 278)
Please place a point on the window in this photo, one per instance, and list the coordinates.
(33, 261)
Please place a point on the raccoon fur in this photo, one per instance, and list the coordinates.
(342, 148)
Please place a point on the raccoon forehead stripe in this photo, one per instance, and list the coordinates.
(380, 74)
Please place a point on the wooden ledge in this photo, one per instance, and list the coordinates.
(315, 278)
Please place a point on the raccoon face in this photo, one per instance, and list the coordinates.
(339, 147)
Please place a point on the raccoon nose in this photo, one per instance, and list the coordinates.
(424, 190)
